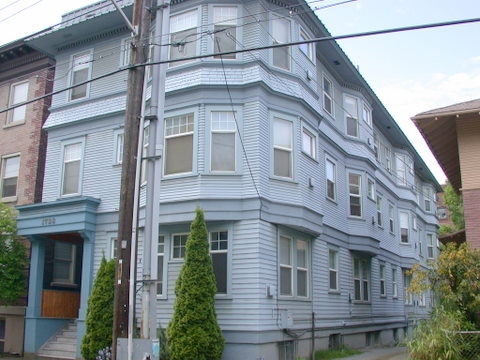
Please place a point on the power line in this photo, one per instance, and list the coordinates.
(266, 47)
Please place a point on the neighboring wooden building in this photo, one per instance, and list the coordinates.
(315, 201)
(453, 135)
(24, 74)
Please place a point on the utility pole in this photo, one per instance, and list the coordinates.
(126, 223)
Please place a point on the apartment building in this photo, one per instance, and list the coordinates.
(315, 201)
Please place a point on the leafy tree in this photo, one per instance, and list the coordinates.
(193, 333)
(13, 258)
(454, 276)
(435, 338)
(454, 204)
(99, 321)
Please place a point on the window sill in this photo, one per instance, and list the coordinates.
(64, 285)
(13, 124)
(334, 292)
(9, 199)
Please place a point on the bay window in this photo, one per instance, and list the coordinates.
(179, 144)
(281, 35)
(282, 148)
(223, 128)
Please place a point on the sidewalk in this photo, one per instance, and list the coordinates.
(390, 353)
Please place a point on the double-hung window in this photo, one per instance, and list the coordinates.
(331, 175)
(81, 68)
(72, 163)
(361, 279)
(394, 283)
(383, 291)
(126, 51)
(430, 246)
(18, 94)
(350, 105)
(391, 218)
(371, 189)
(355, 194)
(327, 96)
(178, 246)
(119, 143)
(160, 264)
(183, 38)
(376, 146)
(307, 47)
(401, 167)
(64, 263)
(281, 35)
(179, 144)
(408, 295)
(428, 198)
(309, 143)
(145, 144)
(282, 148)
(225, 31)
(219, 254)
(9, 176)
(223, 147)
(294, 267)
(404, 227)
(379, 211)
(333, 270)
(367, 115)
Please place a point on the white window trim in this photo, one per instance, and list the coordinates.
(237, 114)
(228, 251)
(391, 218)
(379, 208)
(367, 110)
(404, 223)
(235, 24)
(359, 195)
(172, 114)
(125, 51)
(10, 121)
(394, 282)
(293, 266)
(2, 176)
(305, 36)
(382, 269)
(72, 71)
(330, 160)
(371, 188)
(286, 118)
(62, 167)
(430, 245)
(312, 152)
(196, 12)
(164, 278)
(351, 116)
(327, 95)
(362, 280)
(118, 143)
(172, 247)
(333, 270)
(287, 49)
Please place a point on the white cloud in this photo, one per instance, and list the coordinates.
(412, 96)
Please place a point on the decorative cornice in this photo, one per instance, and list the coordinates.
(93, 38)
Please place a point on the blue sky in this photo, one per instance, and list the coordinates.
(410, 72)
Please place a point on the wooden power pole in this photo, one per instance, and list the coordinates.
(126, 223)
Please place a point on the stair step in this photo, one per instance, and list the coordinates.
(63, 345)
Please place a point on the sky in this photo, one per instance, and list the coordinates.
(410, 72)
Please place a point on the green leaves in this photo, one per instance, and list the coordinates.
(193, 333)
(13, 259)
(99, 318)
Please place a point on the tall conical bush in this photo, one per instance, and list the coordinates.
(99, 320)
(193, 333)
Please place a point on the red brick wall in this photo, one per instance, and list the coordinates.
(471, 207)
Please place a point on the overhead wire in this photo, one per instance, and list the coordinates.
(314, 40)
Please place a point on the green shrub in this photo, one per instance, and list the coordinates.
(193, 333)
(99, 321)
(433, 338)
(13, 259)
